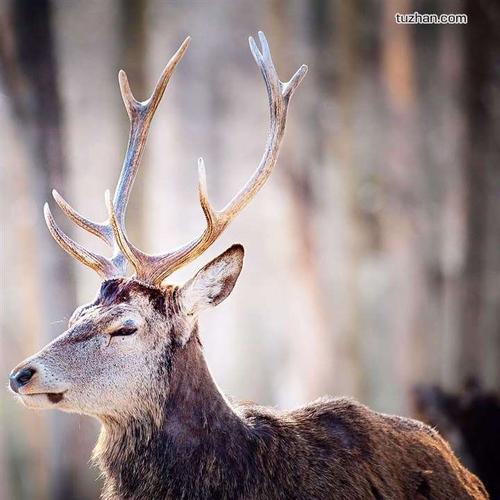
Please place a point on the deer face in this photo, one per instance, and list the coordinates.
(114, 359)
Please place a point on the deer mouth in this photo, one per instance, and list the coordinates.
(38, 398)
(55, 397)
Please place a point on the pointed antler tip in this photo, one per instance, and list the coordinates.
(290, 86)
(202, 173)
(124, 84)
(257, 55)
(107, 199)
(47, 215)
(58, 198)
(183, 47)
(299, 75)
(263, 42)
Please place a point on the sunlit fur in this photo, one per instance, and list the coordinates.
(169, 433)
(100, 374)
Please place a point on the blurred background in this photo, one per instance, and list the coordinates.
(372, 255)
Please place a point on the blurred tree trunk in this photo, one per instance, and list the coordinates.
(449, 159)
(311, 365)
(479, 339)
(439, 75)
(30, 77)
(133, 60)
(348, 70)
(402, 216)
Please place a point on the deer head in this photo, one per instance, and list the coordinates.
(109, 361)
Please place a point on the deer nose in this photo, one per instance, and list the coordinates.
(20, 378)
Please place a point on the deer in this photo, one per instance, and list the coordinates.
(133, 359)
(469, 419)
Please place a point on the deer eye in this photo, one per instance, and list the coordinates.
(123, 331)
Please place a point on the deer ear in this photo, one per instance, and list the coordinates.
(213, 283)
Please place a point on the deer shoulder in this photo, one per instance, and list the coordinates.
(359, 453)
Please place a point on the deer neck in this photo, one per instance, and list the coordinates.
(198, 424)
(195, 408)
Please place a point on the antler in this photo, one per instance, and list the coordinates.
(140, 115)
(155, 268)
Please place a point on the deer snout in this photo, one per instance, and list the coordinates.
(19, 378)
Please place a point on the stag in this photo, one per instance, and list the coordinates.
(134, 360)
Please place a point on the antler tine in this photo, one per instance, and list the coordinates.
(140, 115)
(155, 268)
(209, 212)
(121, 240)
(279, 94)
(96, 262)
(101, 230)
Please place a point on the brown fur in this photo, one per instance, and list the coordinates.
(169, 433)
(207, 448)
(470, 420)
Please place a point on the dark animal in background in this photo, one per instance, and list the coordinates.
(470, 421)
(133, 358)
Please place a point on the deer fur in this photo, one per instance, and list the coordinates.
(169, 433)
(470, 420)
(133, 359)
